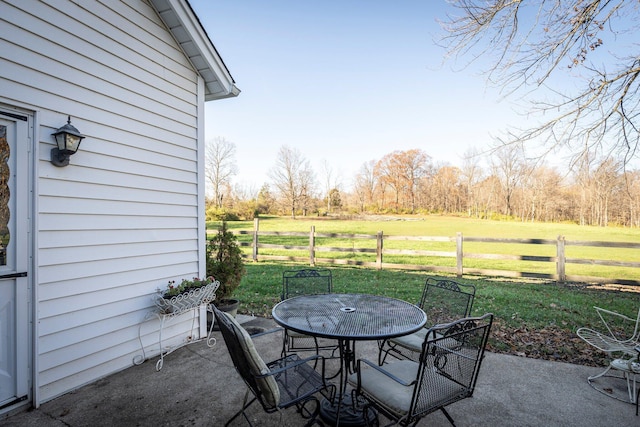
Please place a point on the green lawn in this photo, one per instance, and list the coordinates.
(533, 318)
(536, 319)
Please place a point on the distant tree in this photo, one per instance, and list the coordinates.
(541, 188)
(335, 199)
(530, 44)
(509, 167)
(293, 178)
(365, 184)
(471, 174)
(307, 186)
(632, 198)
(607, 185)
(220, 167)
(416, 166)
(446, 189)
(266, 200)
(401, 170)
(488, 190)
(331, 182)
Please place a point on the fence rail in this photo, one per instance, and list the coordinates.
(560, 259)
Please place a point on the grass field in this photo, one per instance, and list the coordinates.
(444, 226)
(448, 227)
(533, 318)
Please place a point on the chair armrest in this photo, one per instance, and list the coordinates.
(295, 361)
(447, 350)
(379, 369)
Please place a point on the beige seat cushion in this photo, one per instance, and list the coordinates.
(412, 341)
(268, 385)
(415, 340)
(392, 395)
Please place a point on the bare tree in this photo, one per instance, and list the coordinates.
(331, 183)
(307, 185)
(471, 175)
(533, 43)
(607, 182)
(365, 184)
(446, 188)
(632, 187)
(293, 178)
(390, 175)
(508, 166)
(220, 166)
(416, 166)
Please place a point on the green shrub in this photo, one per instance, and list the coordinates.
(224, 262)
(214, 213)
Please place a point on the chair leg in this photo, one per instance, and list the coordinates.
(628, 376)
(285, 337)
(306, 413)
(631, 385)
(446, 414)
(245, 405)
(602, 374)
(382, 353)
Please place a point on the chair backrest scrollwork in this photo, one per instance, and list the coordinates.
(306, 282)
(445, 301)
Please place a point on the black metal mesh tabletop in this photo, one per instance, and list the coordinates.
(349, 316)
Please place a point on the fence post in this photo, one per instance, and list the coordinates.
(256, 226)
(379, 250)
(459, 254)
(312, 246)
(560, 262)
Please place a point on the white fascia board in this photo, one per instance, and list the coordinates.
(183, 23)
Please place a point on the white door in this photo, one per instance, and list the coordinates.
(15, 337)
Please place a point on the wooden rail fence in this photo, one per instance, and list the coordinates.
(560, 259)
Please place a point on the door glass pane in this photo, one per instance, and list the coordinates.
(4, 195)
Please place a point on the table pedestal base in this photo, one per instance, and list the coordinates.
(349, 417)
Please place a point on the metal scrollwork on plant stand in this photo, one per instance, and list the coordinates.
(168, 308)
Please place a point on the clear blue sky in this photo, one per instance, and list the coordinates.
(344, 82)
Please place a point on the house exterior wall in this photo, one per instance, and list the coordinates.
(122, 219)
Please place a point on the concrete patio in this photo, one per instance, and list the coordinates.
(198, 386)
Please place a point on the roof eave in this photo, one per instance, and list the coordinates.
(186, 28)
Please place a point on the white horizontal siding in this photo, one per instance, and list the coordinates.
(91, 271)
(61, 239)
(104, 46)
(121, 193)
(77, 362)
(122, 219)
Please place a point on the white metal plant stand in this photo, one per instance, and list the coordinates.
(167, 309)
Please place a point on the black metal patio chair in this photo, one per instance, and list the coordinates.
(308, 281)
(404, 391)
(443, 301)
(288, 381)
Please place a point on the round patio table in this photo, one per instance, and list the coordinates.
(348, 318)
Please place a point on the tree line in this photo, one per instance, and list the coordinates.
(531, 50)
(502, 184)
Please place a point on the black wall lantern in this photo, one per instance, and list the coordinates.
(68, 140)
